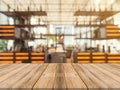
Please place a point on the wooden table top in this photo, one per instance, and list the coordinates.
(59, 76)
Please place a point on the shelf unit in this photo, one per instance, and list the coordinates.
(18, 33)
(104, 30)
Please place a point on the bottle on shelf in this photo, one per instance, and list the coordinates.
(103, 48)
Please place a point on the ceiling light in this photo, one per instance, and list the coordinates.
(112, 1)
(97, 2)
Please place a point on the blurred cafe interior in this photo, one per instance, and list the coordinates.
(59, 31)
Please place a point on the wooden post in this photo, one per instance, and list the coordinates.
(109, 49)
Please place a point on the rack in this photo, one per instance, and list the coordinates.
(19, 34)
(19, 57)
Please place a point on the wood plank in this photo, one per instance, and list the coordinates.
(113, 54)
(84, 61)
(6, 62)
(7, 27)
(83, 57)
(46, 81)
(38, 54)
(7, 67)
(31, 78)
(113, 61)
(16, 77)
(98, 61)
(5, 35)
(11, 73)
(115, 35)
(60, 76)
(37, 57)
(60, 82)
(22, 58)
(37, 62)
(114, 58)
(4, 65)
(4, 54)
(98, 54)
(113, 30)
(83, 53)
(107, 77)
(6, 31)
(111, 69)
(92, 82)
(117, 66)
(112, 27)
(73, 81)
(22, 53)
(7, 58)
(18, 62)
(98, 57)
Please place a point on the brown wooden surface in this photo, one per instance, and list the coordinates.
(111, 26)
(8, 57)
(83, 57)
(37, 57)
(5, 35)
(39, 54)
(59, 76)
(9, 26)
(4, 31)
(98, 57)
(112, 31)
(113, 58)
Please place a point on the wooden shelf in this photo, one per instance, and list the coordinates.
(4, 31)
(24, 13)
(29, 25)
(92, 25)
(83, 38)
(7, 31)
(21, 25)
(59, 34)
(6, 27)
(6, 35)
(95, 13)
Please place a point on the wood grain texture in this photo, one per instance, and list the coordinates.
(98, 57)
(6, 31)
(37, 62)
(6, 62)
(84, 61)
(38, 58)
(58, 76)
(105, 76)
(111, 27)
(31, 78)
(6, 75)
(21, 53)
(7, 26)
(42, 54)
(46, 81)
(60, 82)
(7, 53)
(4, 35)
(72, 78)
(21, 73)
(91, 81)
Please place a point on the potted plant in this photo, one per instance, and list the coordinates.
(3, 45)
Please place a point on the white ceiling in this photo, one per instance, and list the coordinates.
(60, 11)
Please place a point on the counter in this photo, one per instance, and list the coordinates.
(56, 57)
